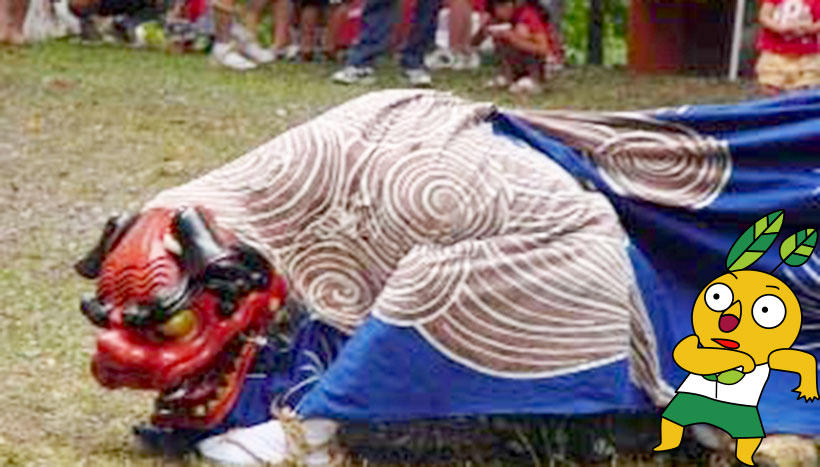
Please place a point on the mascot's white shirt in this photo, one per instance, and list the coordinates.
(745, 392)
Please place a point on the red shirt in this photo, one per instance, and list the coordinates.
(530, 17)
(791, 11)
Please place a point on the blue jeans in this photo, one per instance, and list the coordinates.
(378, 19)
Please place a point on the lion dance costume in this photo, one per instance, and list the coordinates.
(450, 258)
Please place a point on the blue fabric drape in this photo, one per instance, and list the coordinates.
(386, 372)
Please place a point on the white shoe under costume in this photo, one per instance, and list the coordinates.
(273, 443)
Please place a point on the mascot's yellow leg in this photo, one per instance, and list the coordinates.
(746, 448)
(671, 434)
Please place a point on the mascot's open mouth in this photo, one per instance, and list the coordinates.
(182, 310)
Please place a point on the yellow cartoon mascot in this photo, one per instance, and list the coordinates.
(744, 324)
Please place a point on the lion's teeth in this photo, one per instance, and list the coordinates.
(258, 340)
(200, 411)
(174, 395)
(274, 304)
(164, 412)
(171, 244)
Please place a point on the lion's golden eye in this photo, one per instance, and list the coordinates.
(180, 325)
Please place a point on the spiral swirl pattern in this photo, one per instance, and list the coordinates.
(406, 206)
(645, 158)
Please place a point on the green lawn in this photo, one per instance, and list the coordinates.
(85, 131)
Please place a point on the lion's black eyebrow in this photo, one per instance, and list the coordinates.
(774, 287)
(733, 275)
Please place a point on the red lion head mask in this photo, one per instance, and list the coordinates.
(181, 308)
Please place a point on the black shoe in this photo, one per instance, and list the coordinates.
(167, 442)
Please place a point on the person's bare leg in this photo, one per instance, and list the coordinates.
(223, 17)
(308, 23)
(17, 16)
(460, 25)
(253, 15)
(671, 435)
(746, 448)
(5, 24)
(506, 62)
(336, 17)
(281, 24)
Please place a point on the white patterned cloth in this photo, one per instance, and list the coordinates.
(405, 205)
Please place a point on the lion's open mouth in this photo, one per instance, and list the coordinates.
(203, 399)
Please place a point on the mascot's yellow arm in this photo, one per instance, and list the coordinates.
(708, 361)
(802, 363)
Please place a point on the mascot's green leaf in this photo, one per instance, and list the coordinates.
(796, 249)
(755, 241)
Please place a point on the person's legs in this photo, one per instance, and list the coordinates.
(378, 19)
(223, 17)
(223, 52)
(422, 34)
(460, 26)
(250, 38)
(281, 24)
(253, 14)
(775, 72)
(401, 29)
(309, 21)
(5, 23)
(17, 17)
(510, 62)
(528, 70)
(335, 19)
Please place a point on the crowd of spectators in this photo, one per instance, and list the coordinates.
(524, 35)
(425, 34)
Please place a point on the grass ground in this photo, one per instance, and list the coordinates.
(85, 131)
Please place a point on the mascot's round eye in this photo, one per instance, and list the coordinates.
(719, 297)
(768, 311)
(181, 324)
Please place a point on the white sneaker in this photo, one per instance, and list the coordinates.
(467, 61)
(498, 82)
(273, 443)
(227, 56)
(291, 52)
(439, 59)
(418, 77)
(525, 85)
(258, 54)
(354, 75)
(261, 444)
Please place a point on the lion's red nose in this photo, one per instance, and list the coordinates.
(112, 374)
(120, 363)
(727, 323)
